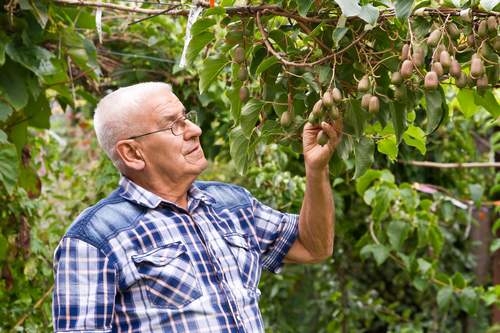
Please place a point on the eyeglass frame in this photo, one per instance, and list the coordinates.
(192, 116)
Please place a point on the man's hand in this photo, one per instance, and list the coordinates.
(317, 156)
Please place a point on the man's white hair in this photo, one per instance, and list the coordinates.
(115, 117)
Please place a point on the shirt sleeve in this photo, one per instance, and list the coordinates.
(276, 232)
(84, 291)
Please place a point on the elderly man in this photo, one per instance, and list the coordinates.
(167, 253)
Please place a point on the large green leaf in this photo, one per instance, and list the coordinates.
(250, 115)
(198, 43)
(363, 154)
(381, 203)
(435, 106)
(489, 102)
(378, 251)
(388, 146)
(303, 6)
(238, 148)
(397, 232)
(469, 301)
(443, 297)
(414, 136)
(8, 166)
(364, 181)
(268, 62)
(465, 99)
(4, 40)
(38, 112)
(5, 111)
(12, 85)
(403, 8)
(398, 115)
(210, 69)
(202, 25)
(38, 60)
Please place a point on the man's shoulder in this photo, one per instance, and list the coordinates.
(226, 195)
(105, 219)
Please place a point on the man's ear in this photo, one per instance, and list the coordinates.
(130, 154)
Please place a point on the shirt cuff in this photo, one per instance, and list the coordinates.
(273, 261)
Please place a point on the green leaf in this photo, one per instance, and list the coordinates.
(366, 180)
(423, 265)
(444, 296)
(303, 6)
(458, 280)
(5, 111)
(264, 65)
(338, 34)
(202, 25)
(403, 8)
(381, 203)
(489, 5)
(349, 7)
(476, 192)
(250, 115)
(12, 85)
(469, 300)
(355, 119)
(378, 251)
(197, 44)
(436, 239)
(495, 245)
(465, 99)
(210, 70)
(238, 148)
(398, 115)
(435, 109)
(38, 112)
(8, 166)
(3, 137)
(4, 40)
(489, 102)
(388, 146)
(363, 154)
(397, 231)
(38, 60)
(414, 136)
(369, 14)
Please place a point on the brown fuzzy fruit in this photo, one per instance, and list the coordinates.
(364, 84)
(476, 68)
(482, 29)
(405, 52)
(337, 95)
(239, 55)
(496, 44)
(286, 119)
(244, 94)
(434, 38)
(242, 74)
(445, 59)
(418, 57)
(453, 30)
(327, 99)
(437, 68)
(322, 138)
(365, 101)
(431, 80)
(492, 25)
(455, 68)
(334, 113)
(318, 107)
(406, 69)
(482, 83)
(396, 78)
(374, 105)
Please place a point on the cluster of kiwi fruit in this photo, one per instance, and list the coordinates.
(242, 75)
(328, 108)
(484, 42)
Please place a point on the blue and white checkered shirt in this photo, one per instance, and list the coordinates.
(137, 263)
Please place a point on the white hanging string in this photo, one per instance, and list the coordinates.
(194, 13)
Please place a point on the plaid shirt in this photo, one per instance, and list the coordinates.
(137, 263)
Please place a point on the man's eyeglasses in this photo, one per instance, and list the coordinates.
(178, 126)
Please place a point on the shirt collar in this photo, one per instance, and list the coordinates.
(135, 193)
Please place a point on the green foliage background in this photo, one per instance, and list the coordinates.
(403, 260)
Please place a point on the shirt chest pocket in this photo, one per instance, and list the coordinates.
(247, 258)
(168, 276)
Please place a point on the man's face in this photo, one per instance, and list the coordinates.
(170, 157)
